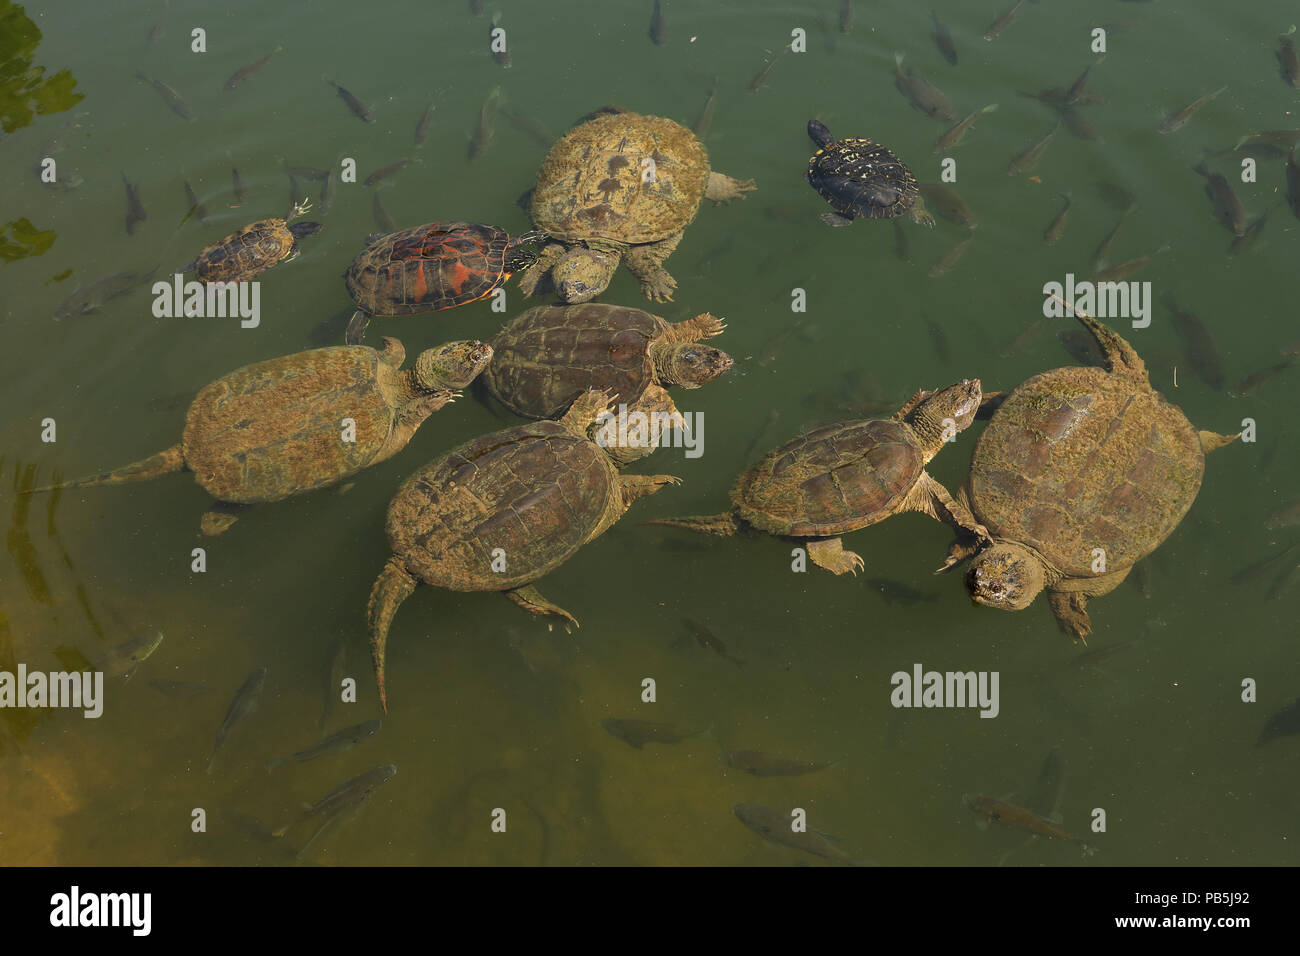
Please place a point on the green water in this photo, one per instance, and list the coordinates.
(489, 709)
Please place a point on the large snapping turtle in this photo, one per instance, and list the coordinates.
(620, 187)
(846, 476)
(1080, 473)
(500, 512)
(304, 421)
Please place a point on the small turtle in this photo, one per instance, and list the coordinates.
(548, 356)
(437, 266)
(862, 180)
(842, 477)
(304, 421)
(500, 512)
(254, 249)
(620, 187)
(1080, 473)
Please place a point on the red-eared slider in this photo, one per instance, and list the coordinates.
(500, 512)
(846, 476)
(862, 180)
(304, 421)
(620, 187)
(437, 266)
(548, 356)
(1080, 473)
(254, 249)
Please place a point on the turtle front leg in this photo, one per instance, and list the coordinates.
(533, 275)
(722, 188)
(409, 420)
(1068, 606)
(218, 519)
(963, 546)
(931, 498)
(646, 263)
(703, 326)
(357, 326)
(638, 486)
(829, 553)
(531, 600)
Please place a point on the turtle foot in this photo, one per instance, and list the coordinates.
(830, 554)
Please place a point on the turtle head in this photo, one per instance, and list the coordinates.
(943, 414)
(582, 274)
(819, 134)
(451, 366)
(1006, 576)
(690, 365)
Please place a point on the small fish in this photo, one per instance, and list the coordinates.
(327, 190)
(659, 25)
(1077, 93)
(1284, 723)
(1045, 798)
(196, 208)
(1056, 228)
(1227, 207)
(771, 349)
(707, 639)
(954, 136)
(1083, 347)
(757, 82)
(422, 127)
(1262, 567)
(179, 688)
(1199, 347)
(170, 97)
(939, 339)
(96, 294)
(1126, 269)
(1293, 183)
(1018, 818)
(921, 93)
(156, 33)
(1100, 655)
(943, 40)
(1024, 337)
(1255, 379)
(359, 109)
(1285, 517)
(387, 171)
(335, 743)
(122, 661)
(486, 127)
(949, 204)
(902, 241)
(499, 57)
(350, 793)
(896, 592)
(773, 416)
(1286, 58)
(950, 258)
(535, 131)
(637, 733)
(1176, 121)
(762, 764)
(315, 173)
(846, 16)
(704, 122)
(1284, 582)
(1101, 258)
(239, 76)
(1026, 160)
(134, 207)
(382, 219)
(1004, 21)
(238, 184)
(775, 826)
(1281, 138)
(244, 703)
(1246, 241)
(1078, 124)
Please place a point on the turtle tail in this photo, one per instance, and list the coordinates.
(393, 586)
(1212, 440)
(723, 525)
(162, 463)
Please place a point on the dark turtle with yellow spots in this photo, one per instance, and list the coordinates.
(437, 266)
(252, 250)
(862, 180)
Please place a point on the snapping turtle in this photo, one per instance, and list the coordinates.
(254, 249)
(620, 187)
(862, 180)
(499, 512)
(1080, 473)
(437, 266)
(549, 355)
(842, 477)
(304, 421)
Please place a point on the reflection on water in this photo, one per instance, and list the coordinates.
(498, 732)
